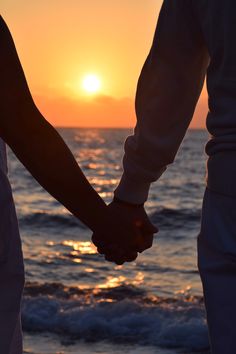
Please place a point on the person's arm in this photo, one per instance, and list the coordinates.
(38, 145)
(43, 152)
(168, 90)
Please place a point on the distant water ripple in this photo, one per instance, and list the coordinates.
(70, 291)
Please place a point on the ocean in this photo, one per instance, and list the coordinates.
(74, 301)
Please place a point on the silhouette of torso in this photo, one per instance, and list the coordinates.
(216, 20)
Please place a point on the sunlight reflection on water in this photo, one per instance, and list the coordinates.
(60, 259)
(81, 247)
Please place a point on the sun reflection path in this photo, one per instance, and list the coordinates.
(114, 282)
(81, 247)
(103, 182)
(185, 293)
(77, 249)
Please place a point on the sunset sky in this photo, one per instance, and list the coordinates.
(61, 42)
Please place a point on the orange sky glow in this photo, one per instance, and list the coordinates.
(61, 42)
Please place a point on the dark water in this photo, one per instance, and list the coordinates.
(72, 293)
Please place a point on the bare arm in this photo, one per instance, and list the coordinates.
(38, 145)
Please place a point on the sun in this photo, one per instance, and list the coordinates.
(91, 83)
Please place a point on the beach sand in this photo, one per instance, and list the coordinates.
(49, 344)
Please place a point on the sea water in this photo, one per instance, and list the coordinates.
(74, 301)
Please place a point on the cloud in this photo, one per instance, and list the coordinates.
(99, 111)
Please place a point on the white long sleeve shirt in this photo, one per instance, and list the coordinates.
(193, 39)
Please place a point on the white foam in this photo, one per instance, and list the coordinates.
(173, 325)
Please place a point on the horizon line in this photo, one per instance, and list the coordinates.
(105, 127)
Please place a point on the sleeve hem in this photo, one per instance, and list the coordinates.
(132, 191)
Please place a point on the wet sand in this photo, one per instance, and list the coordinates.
(49, 344)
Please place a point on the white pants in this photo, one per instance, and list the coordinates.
(11, 287)
(217, 267)
(11, 266)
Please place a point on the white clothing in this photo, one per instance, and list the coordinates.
(193, 39)
(11, 266)
(217, 266)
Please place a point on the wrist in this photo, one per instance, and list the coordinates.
(123, 202)
(132, 191)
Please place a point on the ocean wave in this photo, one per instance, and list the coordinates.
(42, 219)
(59, 290)
(172, 218)
(165, 217)
(125, 314)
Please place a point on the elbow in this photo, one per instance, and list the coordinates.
(18, 125)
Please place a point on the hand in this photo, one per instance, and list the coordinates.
(135, 233)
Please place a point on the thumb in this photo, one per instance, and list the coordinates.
(153, 229)
(149, 228)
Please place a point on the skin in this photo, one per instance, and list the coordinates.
(46, 156)
(136, 216)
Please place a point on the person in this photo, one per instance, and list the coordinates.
(43, 152)
(193, 40)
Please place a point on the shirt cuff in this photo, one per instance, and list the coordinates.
(132, 191)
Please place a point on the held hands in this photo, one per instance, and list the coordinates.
(129, 232)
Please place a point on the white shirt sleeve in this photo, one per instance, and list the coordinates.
(168, 90)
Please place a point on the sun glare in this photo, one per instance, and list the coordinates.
(91, 83)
